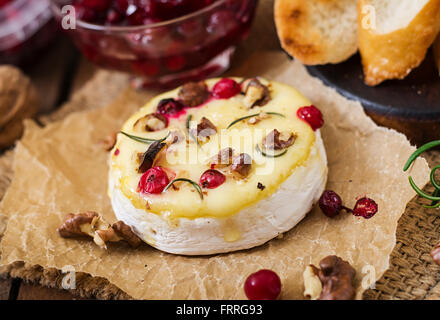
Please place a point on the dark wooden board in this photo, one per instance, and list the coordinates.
(35, 292)
(5, 287)
(411, 106)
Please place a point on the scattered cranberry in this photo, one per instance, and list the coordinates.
(226, 88)
(312, 116)
(263, 285)
(365, 207)
(153, 181)
(169, 107)
(330, 203)
(116, 152)
(212, 179)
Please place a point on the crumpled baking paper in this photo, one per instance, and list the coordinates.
(62, 169)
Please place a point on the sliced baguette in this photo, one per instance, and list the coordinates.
(317, 31)
(436, 50)
(398, 40)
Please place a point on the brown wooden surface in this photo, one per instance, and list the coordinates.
(33, 292)
(5, 287)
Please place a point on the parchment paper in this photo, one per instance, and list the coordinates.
(62, 168)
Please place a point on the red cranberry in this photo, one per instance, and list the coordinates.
(169, 107)
(212, 179)
(312, 116)
(263, 285)
(330, 203)
(365, 207)
(153, 181)
(117, 152)
(226, 88)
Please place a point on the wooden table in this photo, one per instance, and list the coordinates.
(58, 74)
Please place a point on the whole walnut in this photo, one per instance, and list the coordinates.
(18, 100)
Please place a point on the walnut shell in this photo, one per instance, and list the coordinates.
(18, 100)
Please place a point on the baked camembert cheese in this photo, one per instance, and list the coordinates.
(218, 166)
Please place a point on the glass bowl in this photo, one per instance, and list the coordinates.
(26, 27)
(168, 53)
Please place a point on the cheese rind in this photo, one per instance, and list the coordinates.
(242, 212)
(251, 227)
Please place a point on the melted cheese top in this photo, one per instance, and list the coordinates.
(189, 160)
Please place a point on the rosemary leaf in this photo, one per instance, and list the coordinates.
(143, 140)
(253, 115)
(257, 147)
(195, 185)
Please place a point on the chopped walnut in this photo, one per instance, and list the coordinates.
(241, 165)
(336, 276)
(257, 119)
(90, 224)
(109, 142)
(223, 158)
(205, 129)
(256, 94)
(312, 284)
(277, 141)
(126, 233)
(76, 225)
(175, 137)
(151, 122)
(193, 94)
(435, 254)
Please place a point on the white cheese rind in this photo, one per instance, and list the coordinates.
(250, 227)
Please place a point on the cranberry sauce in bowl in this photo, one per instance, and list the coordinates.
(165, 42)
(26, 28)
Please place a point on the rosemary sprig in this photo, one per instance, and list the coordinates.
(419, 151)
(195, 185)
(435, 197)
(144, 140)
(253, 115)
(257, 147)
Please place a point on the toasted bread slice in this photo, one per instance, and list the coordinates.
(394, 36)
(436, 49)
(317, 31)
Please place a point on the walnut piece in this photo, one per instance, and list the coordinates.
(337, 277)
(312, 284)
(255, 93)
(435, 254)
(18, 100)
(205, 129)
(278, 141)
(241, 165)
(223, 158)
(91, 225)
(150, 123)
(193, 94)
